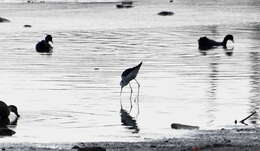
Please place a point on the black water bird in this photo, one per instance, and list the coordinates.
(206, 43)
(4, 118)
(44, 46)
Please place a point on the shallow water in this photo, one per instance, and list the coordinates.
(73, 94)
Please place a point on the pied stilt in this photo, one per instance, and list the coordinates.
(128, 75)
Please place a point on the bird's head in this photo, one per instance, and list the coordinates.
(13, 108)
(122, 83)
(229, 37)
(48, 38)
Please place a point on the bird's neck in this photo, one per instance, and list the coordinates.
(224, 43)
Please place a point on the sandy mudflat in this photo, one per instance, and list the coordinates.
(210, 140)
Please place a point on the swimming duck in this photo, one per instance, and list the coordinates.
(44, 45)
(206, 43)
(6, 109)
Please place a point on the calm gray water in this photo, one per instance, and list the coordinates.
(73, 94)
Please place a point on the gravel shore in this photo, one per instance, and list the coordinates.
(200, 140)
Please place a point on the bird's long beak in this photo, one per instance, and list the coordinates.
(121, 97)
(16, 114)
(121, 91)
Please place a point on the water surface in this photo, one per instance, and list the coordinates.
(73, 94)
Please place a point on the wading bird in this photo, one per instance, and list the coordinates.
(44, 46)
(206, 43)
(128, 75)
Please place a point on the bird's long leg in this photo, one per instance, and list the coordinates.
(137, 97)
(131, 96)
(138, 109)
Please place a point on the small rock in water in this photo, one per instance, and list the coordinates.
(3, 20)
(96, 68)
(165, 13)
(88, 148)
(27, 26)
(182, 126)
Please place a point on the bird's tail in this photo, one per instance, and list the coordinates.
(140, 64)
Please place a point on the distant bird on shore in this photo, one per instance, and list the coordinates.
(5, 110)
(206, 43)
(44, 46)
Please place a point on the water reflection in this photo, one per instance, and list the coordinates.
(136, 100)
(228, 51)
(4, 124)
(128, 121)
(255, 86)
(213, 77)
(213, 29)
(212, 91)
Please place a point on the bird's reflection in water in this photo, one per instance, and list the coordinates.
(128, 121)
(136, 101)
(228, 51)
(5, 123)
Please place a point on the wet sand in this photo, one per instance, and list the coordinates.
(207, 140)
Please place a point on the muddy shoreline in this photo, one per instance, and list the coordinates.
(207, 140)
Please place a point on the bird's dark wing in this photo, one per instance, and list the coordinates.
(129, 70)
(206, 43)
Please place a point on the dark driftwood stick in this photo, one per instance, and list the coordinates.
(242, 121)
